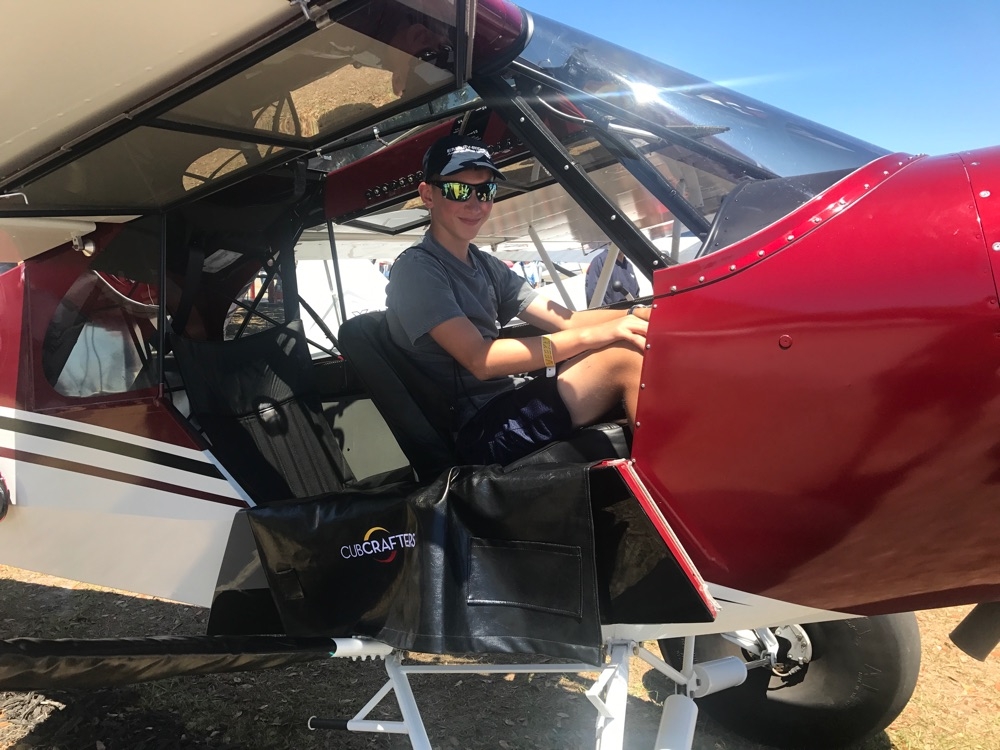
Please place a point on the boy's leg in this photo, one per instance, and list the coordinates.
(595, 382)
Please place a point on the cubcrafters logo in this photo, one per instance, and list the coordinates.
(379, 544)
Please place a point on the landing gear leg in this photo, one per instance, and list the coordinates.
(407, 703)
(676, 732)
(830, 685)
(609, 693)
(611, 709)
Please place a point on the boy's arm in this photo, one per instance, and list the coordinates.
(551, 316)
(491, 359)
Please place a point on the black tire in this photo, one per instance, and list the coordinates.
(862, 674)
(4, 498)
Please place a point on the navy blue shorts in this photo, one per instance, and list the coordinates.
(515, 423)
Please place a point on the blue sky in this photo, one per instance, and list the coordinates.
(915, 76)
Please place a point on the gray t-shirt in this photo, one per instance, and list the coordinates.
(427, 286)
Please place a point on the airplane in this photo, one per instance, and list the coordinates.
(814, 455)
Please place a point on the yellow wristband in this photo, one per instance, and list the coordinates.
(547, 356)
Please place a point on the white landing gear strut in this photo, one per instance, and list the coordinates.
(608, 694)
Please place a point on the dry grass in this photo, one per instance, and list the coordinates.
(957, 703)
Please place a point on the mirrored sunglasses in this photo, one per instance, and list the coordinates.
(461, 192)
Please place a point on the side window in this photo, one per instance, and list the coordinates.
(259, 306)
(362, 282)
(103, 337)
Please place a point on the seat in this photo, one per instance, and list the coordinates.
(256, 402)
(415, 409)
(419, 414)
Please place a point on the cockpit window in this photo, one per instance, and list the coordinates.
(552, 215)
(378, 59)
(371, 139)
(342, 74)
(260, 305)
(726, 122)
(145, 168)
(702, 140)
(102, 339)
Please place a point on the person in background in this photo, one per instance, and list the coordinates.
(529, 269)
(623, 273)
(445, 299)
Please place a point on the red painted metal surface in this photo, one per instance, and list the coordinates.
(12, 304)
(820, 417)
(627, 472)
(46, 281)
(983, 168)
(499, 26)
(392, 174)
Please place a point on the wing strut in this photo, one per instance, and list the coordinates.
(553, 271)
(465, 25)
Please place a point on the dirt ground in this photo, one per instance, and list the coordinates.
(957, 704)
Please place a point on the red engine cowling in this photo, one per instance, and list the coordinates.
(820, 413)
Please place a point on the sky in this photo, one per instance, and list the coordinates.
(916, 77)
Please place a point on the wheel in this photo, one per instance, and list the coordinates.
(854, 678)
(4, 498)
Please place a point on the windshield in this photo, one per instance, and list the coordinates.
(778, 141)
(702, 140)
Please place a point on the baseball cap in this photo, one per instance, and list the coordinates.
(453, 153)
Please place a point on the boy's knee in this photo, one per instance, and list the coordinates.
(628, 355)
(619, 363)
(623, 363)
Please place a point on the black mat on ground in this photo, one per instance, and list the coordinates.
(39, 664)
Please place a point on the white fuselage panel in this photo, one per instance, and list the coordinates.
(111, 519)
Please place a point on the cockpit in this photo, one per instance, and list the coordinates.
(273, 185)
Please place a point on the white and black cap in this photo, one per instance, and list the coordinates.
(453, 153)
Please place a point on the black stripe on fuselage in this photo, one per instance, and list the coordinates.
(115, 476)
(110, 445)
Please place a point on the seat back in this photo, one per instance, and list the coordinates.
(420, 416)
(416, 409)
(255, 400)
